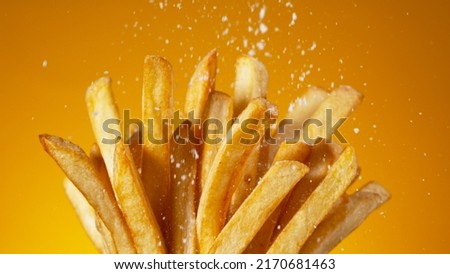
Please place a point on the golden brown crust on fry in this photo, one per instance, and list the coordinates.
(134, 203)
(156, 106)
(201, 84)
(213, 201)
(86, 214)
(101, 107)
(319, 203)
(80, 170)
(108, 242)
(255, 210)
(345, 218)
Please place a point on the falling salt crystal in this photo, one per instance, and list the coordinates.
(261, 44)
(140, 170)
(294, 18)
(278, 227)
(374, 126)
(195, 153)
(356, 130)
(251, 52)
(224, 18)
(177, 165)
(183, 177)
(44, 63)
(263, 28)
(313, 46)
(262, 13)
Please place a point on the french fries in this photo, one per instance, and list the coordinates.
(255, 210)
(347, 216)
(79, 169)
(176, 183)
(216, 195)
(312, 212)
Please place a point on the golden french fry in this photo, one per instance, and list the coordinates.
(183, 199)
(201, 84)
(156, 112)
(219, 110)
(288, 152)
(134, 203)
(86, 214)
(108, 242)
(255, 210)
(82, 173)
(215, 198)
(103, 114)
(322, 156)
(250, 83)
(245, 181)
(136, 145)
(319, 203)
(340, 103)
(345, 218)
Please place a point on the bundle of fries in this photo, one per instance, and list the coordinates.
(168, 187)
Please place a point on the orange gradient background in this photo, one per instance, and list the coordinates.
(395, 52)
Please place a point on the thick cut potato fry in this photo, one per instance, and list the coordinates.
(134, 203)
(219, 109)
(245, 181)
(288, 152)
(255, 210)
(82, 173)
(201, 84)
(102, 109)
(319, 203)
(250, 82)
(156, 106)
(86, 214)
(322, 156)
(214, 200)
(183, 199)
(108, 241)
(345, 218)
(342, 101)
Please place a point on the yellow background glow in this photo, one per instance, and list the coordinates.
(395, 52)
